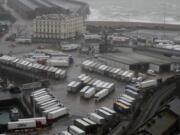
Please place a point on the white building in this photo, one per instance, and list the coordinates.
(58, 26)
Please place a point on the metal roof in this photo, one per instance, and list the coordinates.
(120, 59)
(174, 106)
(160, 125)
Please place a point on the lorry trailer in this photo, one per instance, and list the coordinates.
(57, 113)
(83, 90)
(104, 114)
(147, 84)
(65, 133)
(41, 121)
(90, 93)
(108, 110)
(80, 123)
(76, 131)
(96, 118)
(28, 124)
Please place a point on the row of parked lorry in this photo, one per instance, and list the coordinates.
(90, 87)
(102, 119)
(27, 124)
(116, 73)
(34, 68)
(48, 105)
(128, 100)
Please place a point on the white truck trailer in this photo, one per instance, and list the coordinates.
(76, 131)
(96, 118)
(90, 93)
(57, 113)
(147, 84)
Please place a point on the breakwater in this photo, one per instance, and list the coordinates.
(134, 25)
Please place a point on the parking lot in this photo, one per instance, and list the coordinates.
(78, 107)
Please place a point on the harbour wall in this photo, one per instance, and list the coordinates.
(133, 25)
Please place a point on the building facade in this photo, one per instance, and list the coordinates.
(58, 26)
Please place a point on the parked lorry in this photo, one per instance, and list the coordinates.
(57, 113)
(40, 121)
(80, 123)
(121, 108)
(83, 90)
(147, 84)
(28, 124)
(132, 93)
(74, 86)
(108, 110)
(108, 116)
(101, 94)
(90, 93)
(97, 118)
(44, 113)
(132, 88)
(65, 133)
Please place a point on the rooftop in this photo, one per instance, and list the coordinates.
(56, 16)
(174, 106)
(159, 124)
(120, 59)
(130, 57)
